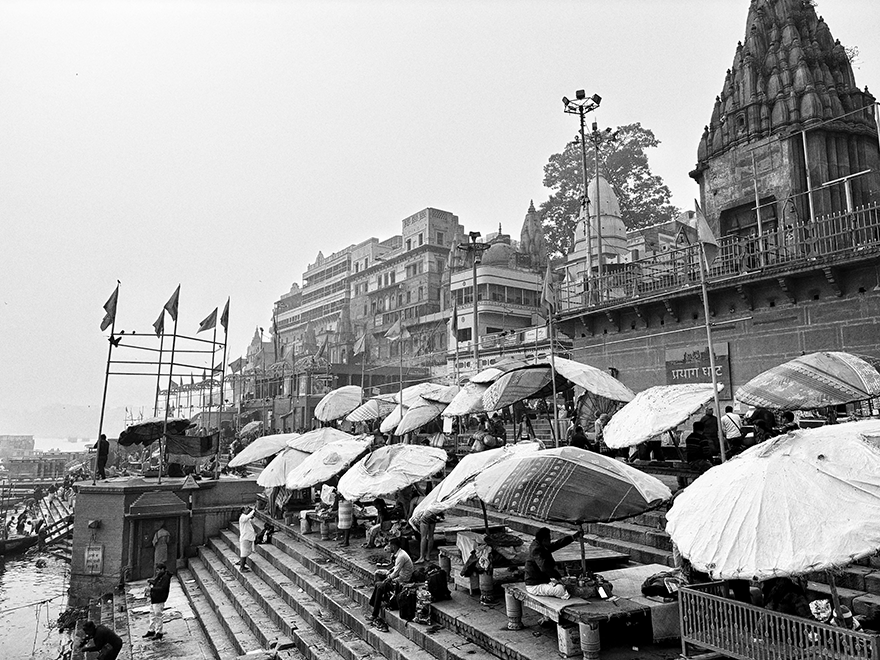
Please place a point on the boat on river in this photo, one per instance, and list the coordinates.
(17, 544)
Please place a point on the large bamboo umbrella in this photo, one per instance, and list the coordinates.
(375, 408)
(312, 441)
(149, 430)
(326, 463)
(261, 448)
(569, 485)
(275, 474)
(390, 469)
(251, 428)
(468, 400)
(655, 411)
(419, 415)
(338, 403)
(812, 381)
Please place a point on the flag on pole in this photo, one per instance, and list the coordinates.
(548, 293)
(453, 320)
(705, 235)
(192, 380)
(172, 304)
(397, 331)
(173, 385)
(224, 317)
(236, 365)
(159, 325)
(210, 321)
(110, 309)
(323, 346)
(360, 346)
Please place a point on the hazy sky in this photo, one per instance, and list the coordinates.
(221, 145)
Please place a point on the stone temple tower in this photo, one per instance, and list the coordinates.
(789, 119)
(531, 239)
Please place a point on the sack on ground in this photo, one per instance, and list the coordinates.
(664, 584)
(406, 601)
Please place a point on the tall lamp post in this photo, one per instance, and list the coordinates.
(580, 106)
(476, 249)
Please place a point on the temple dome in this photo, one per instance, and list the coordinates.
(500, 254)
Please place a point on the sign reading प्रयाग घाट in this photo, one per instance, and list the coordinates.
(691, 365)
(94, 559)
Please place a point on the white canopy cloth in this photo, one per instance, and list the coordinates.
(458, 486)
(339, 402)
(655, 411)
(593, 380)
(275, 474)
(251, 428)
(312, 441)
(419, 415)
(326, 463)
(393, 419)
(444, 395)
(260, 448)
(468, 400)
(414, 393)
(390, 469)
(798, 503)
(375, 408)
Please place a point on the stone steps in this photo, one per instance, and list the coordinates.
(110, 611)
(344, 595)
(350, 573)
(241, 617)
(631, 533)
(220, 643)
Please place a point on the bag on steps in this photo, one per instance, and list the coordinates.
(438, 585)
(406, 601)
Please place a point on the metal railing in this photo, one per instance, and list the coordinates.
(738, 630)
(790, 245)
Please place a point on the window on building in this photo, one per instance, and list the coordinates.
(365, 309)
(408, 297)
(357, 267)
(482, 291)
(392, 277)
(421, 239)
(409, 244)
(421, 292)
(464, 334)
(441, 238)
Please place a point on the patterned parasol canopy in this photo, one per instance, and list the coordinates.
(812, 381)
(370, 410)
(150, 430)
(569, 485)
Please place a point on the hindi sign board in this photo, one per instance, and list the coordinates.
(94, 559)
(691, 365)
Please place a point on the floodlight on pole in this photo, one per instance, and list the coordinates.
(476, 249)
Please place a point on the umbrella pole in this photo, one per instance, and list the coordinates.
(704, 266)
(485, 516)
(583, 551)
(835, 598)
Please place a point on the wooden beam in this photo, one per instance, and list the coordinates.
(783, 284)
(832, 280)
(670, 310)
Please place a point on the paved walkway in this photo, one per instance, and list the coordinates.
(182, 634)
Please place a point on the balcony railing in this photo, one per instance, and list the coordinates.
(788, 246)
(738, 630)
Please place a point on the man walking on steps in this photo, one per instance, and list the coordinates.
(246, 536)
(160, 585)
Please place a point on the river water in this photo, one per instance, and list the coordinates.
(27, 629)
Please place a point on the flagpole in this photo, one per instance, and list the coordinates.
(211, 377)
(106, 380)
(704, 266)
(159, 371)
(553, 377)
(222, 382)
(168, 393)
(400, 353)
(364, 366)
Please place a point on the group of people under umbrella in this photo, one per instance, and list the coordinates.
(805, 501)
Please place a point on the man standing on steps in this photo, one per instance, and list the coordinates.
(400, 574)
(160, 585)
(246, 535)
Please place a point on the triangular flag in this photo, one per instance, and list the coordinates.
(397, 331)
(236, 365)
(192, 379)
(159, 325)
(323, 346)
(705, 236)
(210, 321)
(110, 309)
(548, 293)
(173, 303)
(360, 346)
(453, 319)
(224, 317)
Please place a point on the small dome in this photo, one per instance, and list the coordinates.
(606, 196)
(500, 254)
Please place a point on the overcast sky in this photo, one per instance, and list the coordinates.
(221, 145)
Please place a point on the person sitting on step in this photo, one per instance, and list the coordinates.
(541, 573)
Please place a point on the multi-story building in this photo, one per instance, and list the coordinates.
(788, 171)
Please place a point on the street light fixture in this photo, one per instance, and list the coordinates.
(581, 106)
(476, 249)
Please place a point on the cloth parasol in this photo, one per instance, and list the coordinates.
(393, 419)
(419, 415)
(468, 400)
(150, 430)
(517, 385)
(569, 485)
(338, 403)
(251, 428)
(260, 448)
(491, 374)
(390, 469)
(801, 502)
(312, 441)
(370, 410)
(326, 463)
(275, 474)
(443, 395)
(655, 411)
(812, 381)
(458, 486)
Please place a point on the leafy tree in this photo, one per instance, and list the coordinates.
(643, 197)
